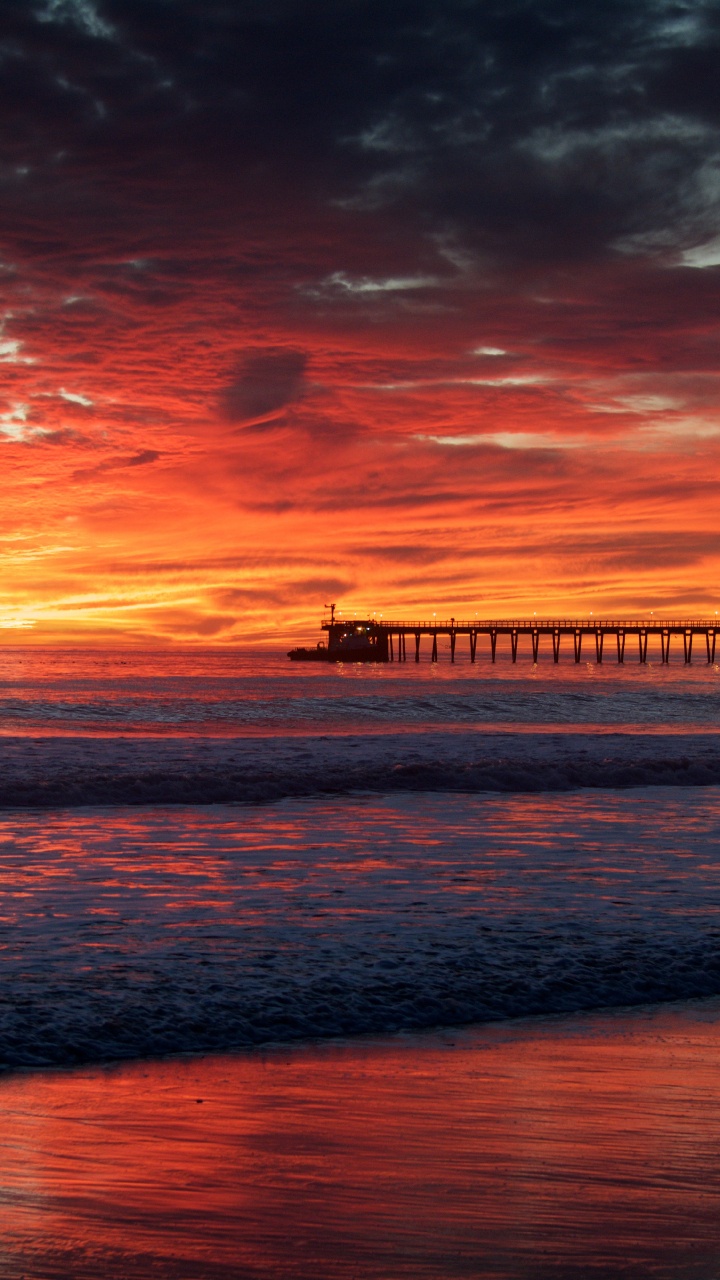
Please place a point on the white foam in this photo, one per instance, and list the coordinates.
(131, 932)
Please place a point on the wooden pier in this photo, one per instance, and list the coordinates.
(392, 637)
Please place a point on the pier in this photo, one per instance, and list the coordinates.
(387, 641)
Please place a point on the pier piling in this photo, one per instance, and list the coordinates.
(556, 644)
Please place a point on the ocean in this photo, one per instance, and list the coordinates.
(211, 850)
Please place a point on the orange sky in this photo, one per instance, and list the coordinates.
(272, 337)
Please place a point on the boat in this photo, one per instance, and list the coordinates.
(318, 654)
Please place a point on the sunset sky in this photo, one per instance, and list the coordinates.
(410, 305)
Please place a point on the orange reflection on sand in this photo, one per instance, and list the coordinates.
(556, 1149)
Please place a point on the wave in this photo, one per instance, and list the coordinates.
(466, 703)
(131, 933)
(63, 772)
(232, 1002)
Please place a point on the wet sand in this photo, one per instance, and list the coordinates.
(584, 1146)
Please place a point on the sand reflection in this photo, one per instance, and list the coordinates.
(581, 1147)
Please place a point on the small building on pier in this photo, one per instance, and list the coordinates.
(359, 640)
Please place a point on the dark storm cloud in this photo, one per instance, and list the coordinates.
(540, 130)
(263, 383)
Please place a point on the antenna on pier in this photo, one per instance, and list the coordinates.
(331, 607)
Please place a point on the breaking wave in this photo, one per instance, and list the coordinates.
(53, 772)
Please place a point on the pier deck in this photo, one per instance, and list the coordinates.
(395, 634)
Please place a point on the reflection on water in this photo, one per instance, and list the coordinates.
(556, 1150)
(128, 932)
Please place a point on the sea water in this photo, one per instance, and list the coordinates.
(210, 850)
(231, 693)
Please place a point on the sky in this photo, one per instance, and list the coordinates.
(412, 306)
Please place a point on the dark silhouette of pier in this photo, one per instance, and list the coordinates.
(389, 639)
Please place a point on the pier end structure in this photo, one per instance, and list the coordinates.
(362, 640)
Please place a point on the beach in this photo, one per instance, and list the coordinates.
(552, 1148)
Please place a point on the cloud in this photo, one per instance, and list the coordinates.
(79, 13)
(264, 382)
(339, 284)
(13, 423)
(702, 255)
(508, 440)
(74, 397)
(210, 625)
(135, 460)
(141, 459)
(323, 586)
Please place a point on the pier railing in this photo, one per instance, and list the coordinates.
(548, 624)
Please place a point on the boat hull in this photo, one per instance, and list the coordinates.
(322, 655)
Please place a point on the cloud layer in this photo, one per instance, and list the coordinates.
(419, 300)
